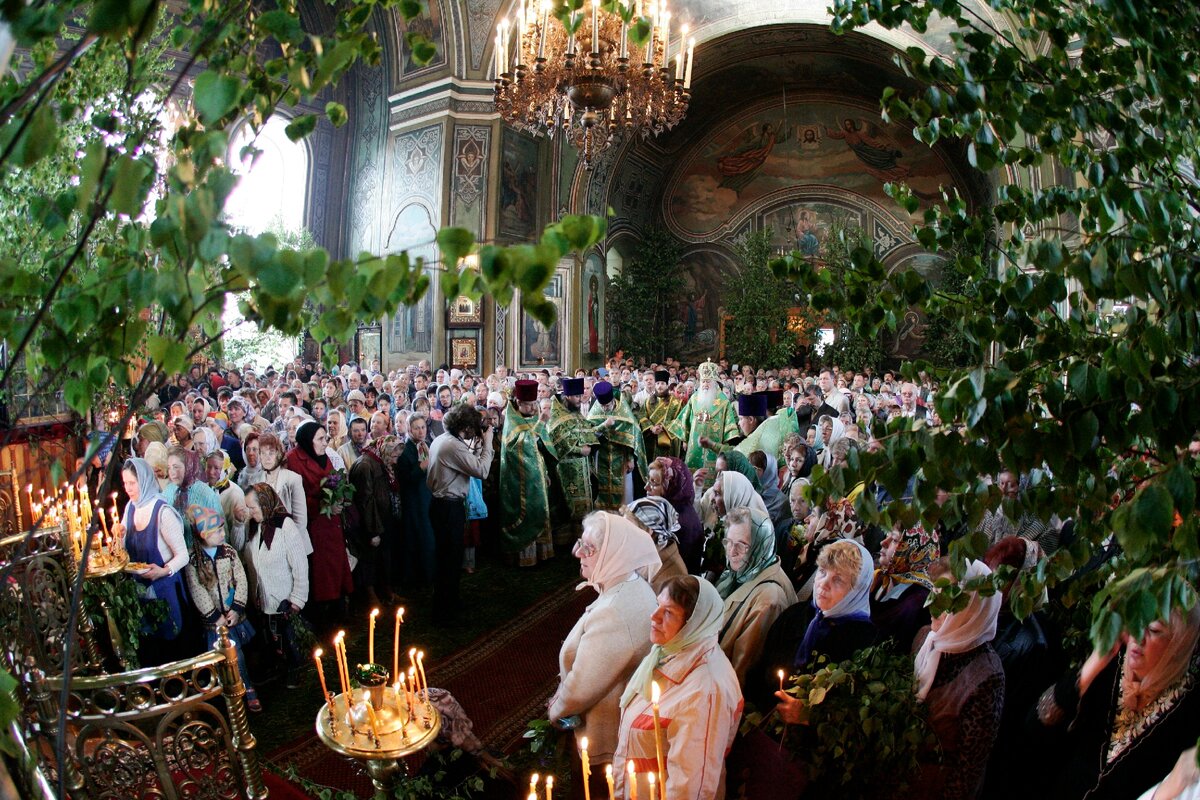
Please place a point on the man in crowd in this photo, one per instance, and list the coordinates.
(569, 440)
(707, 415)
(524, 491)
(620, 454)
(351, 451)
(658, 413)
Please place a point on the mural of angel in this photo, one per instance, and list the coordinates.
(877, 154)
(739, 166)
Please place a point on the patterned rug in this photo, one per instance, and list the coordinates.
(502, 680)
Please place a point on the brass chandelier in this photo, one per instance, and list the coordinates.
(592, 82)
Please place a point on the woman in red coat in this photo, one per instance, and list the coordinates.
(329, 569)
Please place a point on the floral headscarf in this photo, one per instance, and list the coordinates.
(761, 555)
(274, 512)
(915, 554)
(659, 516)
(677, 481)
(385, 450)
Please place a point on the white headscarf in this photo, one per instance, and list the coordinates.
(626, 548)
(204, 441)
(704, 623)
(737, 491)
(960, 632)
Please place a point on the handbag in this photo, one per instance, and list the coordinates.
(476, 507)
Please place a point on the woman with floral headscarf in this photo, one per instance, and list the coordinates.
(188, 494)
(755, 588)
(671, 479)
(377, 498)
(611, 636)
(658, 518)
(902, 584)
(700, 703)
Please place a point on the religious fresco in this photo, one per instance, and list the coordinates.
(593, 289)
(907, 341)
(803, 227)
(783, 149)
(541, 345)
(518, 186)
(698, 305)
(410, 333)
(430, 25)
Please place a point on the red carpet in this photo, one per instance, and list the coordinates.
(502, 680)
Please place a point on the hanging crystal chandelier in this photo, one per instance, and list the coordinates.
(594, 84)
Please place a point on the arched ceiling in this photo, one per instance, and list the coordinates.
(802, 80)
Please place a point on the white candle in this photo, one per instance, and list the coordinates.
(595, 26)
(687, 75)
(679, 66)
(542, 30)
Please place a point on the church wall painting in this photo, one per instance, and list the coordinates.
(430, 25)
(593, 288)
(469, 190)
(518, 187)
(779, 149)
(698, 307)
(410, 333)
(804, 226)
(541, 345)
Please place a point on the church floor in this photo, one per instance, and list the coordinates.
(494, 598)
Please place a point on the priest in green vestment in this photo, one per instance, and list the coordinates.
(524, 496)
(709, 415)
(656, 417)
(569, 440)
(620, 449)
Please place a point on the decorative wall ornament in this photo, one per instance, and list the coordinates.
(464, 313)
(472, 147)
(464, 352)
(416, 166)
(480, 16)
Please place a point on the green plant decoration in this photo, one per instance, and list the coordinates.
(123, 598)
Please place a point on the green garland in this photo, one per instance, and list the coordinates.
(127, 608)
(418, 787)
(861, 712)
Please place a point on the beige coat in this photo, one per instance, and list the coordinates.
(672, 567)
(749, 613)
(600, 653)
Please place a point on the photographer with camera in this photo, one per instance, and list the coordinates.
(463, 451)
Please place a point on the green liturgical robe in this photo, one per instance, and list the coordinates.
(617, 445)
(564, 435)
(524, 500)
(769, 436)
(660, 412)
(719, 424)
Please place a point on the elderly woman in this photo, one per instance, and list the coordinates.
(671, 479)
(700, 703)
(658, 518)
(755, 588)
(611, 637)
(198, 505)
(902, 584)
(286, 483)
(961, 680)
(1116, 726)
(276, 560)
(840, 626)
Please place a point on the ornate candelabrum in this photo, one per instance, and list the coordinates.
(378, 723)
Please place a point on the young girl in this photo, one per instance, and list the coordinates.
(217, 583)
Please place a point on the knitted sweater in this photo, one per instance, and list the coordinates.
(228, 593)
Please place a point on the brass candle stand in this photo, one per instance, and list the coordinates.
(405, 723)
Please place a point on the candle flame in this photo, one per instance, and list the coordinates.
(318, 653)
(650, 776)
(533, 780)
(374, 613)
(632, 771)
(655, 693)
(583, 744)
(412, 652)
(340, 636)
(400, 613)
(608, 769)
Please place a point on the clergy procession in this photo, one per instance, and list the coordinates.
(722, 588)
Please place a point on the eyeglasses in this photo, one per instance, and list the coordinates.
(582, 549)
(736, 548)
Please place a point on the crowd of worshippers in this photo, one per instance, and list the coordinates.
(680, 490)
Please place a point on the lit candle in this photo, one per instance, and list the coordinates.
(371, 717)
(371, 635)
(595, 26)
(338, 651)
(412, 687)
(421, 670)
(321, 673)
(624, 38)
(549, 787)
(608, 777)
(533, 782)
(687, 74)
(652, 779)
(632, 781)
(679, 66)
(396, 643)
(587, 768)
(100, 515)
(499, 58)
(658, 753)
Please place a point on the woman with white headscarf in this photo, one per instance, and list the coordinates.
(700, 702)
(755, 587)
(961, 680)
(611, 637)
(659, 518)
(731, 489)
(830, 430)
